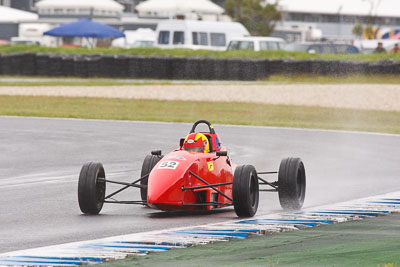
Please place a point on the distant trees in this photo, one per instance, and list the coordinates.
(258, 19)
(368, 31)
(358, 30)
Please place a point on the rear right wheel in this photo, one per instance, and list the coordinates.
(291, 183)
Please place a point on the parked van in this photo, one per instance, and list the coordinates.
(193, 34)
(256, 43)
(322, 48)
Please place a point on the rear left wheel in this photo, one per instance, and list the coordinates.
(245, 191)
(91, 188)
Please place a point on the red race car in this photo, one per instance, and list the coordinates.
(199, 175)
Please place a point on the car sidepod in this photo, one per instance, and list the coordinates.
(179, 181)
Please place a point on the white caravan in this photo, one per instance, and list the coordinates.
(193, 34)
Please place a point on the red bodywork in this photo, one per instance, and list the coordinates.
(168, 178)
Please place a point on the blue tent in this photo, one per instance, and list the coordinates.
(85, 28)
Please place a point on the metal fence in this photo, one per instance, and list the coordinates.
(125, 66)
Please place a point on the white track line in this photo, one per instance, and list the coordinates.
(119, 247)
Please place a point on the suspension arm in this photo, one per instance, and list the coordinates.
(273, 184)
(208, 204)
(127, 185)
(139, 202)
(204, 186)
(211, 186)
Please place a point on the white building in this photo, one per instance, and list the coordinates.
(9, 20)
(8, 14)
(79, 8)
(336, 18)
(181, 9)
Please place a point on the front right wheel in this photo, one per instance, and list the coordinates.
(291, 183)
(245, 191)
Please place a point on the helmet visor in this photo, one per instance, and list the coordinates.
(194, 149)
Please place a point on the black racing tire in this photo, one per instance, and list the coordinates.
(148, 164)
(245, 191)
(91, 188)
(291, 183)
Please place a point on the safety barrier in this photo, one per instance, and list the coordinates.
(190, 68)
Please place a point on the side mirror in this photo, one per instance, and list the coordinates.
(222, 153)
(156, 152)
(181, 141)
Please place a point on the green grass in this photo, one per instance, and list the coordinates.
(222, 113)
(286, 79)
(324, 79)
(6, 49)
(371, 242)
(70, 81)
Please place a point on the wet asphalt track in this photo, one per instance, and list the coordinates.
(41, 158)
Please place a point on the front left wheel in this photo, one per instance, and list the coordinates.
(91, 188)
(148, 164)
(245, 191)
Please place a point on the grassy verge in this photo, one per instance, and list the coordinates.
(324, 79)
(195, 53)
(284, 79)
(70, 81)
(371, 242)
(224, 113)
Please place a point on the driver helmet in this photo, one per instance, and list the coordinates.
(196, 142)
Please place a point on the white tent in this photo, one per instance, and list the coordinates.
(381, 8)
(8, 14)
(96, 4)
(179, 7)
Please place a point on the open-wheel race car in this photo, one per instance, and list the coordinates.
(198, 175)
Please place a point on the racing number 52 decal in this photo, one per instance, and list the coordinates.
(168, 165)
